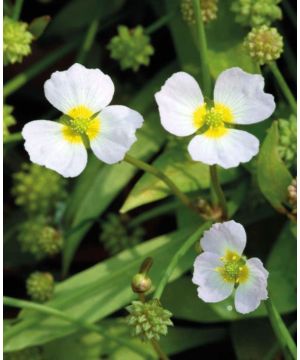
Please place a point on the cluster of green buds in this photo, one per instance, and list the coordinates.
(264, 44)
(16, 41)
(37, 189)
(131, 47)
(256, 12)
(39, 239)
(116, 236)
(8, 119)
(40, 286)
(209, 11)
(287, 146)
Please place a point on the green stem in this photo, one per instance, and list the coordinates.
(202, 48)
(23, 304)
(154, 171)
(21, 79)
(177, 256)
(284, 86)
(158, 350)
(88, 41)
(215, 184)
(12, 138)
(159, 23)
(283, 336)
(17, 9)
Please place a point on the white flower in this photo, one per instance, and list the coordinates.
(238, 99)
(221, 269)
(83, 95)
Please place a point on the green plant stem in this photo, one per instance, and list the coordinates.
(190, 241)
(23, 304)
(283, 336)
(88, 41)
(154, 171)
(21, 79)
(202, 48)
(17, 9)
(158, 350)
(284, 86)
(215, 184)
(12, 138)
(159, 23)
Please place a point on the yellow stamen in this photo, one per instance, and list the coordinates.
(215, 119)
(198, 116)
(235, 269)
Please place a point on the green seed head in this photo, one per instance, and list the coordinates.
(287, 146)
(50, 241)
(40, 286)
(8, 119)
(209, 11)
(213, 118)
(264, 44)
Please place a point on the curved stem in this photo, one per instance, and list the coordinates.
(202, 48)
(154, 171)
(284, 86)
(283, 336)
(159, 23)
(23, 304)
(177, 256)
(17, 9)
(88, 41)
(158, 350)
(215, 183)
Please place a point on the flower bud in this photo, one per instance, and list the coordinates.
(209, 10)
(141, 283)
(40, 286)
(8, 119)
(264, 44)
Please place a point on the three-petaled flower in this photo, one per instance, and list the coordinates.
(239, 99)
(221, 268)
(82, 95)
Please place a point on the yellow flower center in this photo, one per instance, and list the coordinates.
(214, 119)
(81, 123)
(235, 269)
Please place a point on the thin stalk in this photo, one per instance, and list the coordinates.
(191, 240)
(17, 9)
(284, 86)
(158, 350)
(88, 41)
(159, 174)
(23, 304)
(12, 138)
(215, 184)
(21, 79)
(202, 48)
(159, 23)
(284, 338)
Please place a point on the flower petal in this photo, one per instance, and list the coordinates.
(46, 146)
(250, 293)
(221, 237)
(212, 287)
(118, 125)
(229, 150)
(77, 86)
(177, 101)
(243, 93)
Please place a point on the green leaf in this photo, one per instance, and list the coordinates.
(38, 25)
(272, 175)
(176, 163)
(98, 291)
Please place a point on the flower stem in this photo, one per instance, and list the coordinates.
(88, 41)
(158, 350)
(23, 304)
(21, 79)
(177, 256)
(283, 336)
(159, 23)
(202, 47)
(284, 86)
(215, 184)
(17, 9)
(159, 174)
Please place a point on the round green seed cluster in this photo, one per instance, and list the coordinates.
(8, 119)
(209, 11)
(148, 320)
(116, 237)
(287, 146)
(40, 286)
(33, 353)
(16, 41)
(38, 189)
(256, 12)
(264, 44)
(131, 47)
(50, 241)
